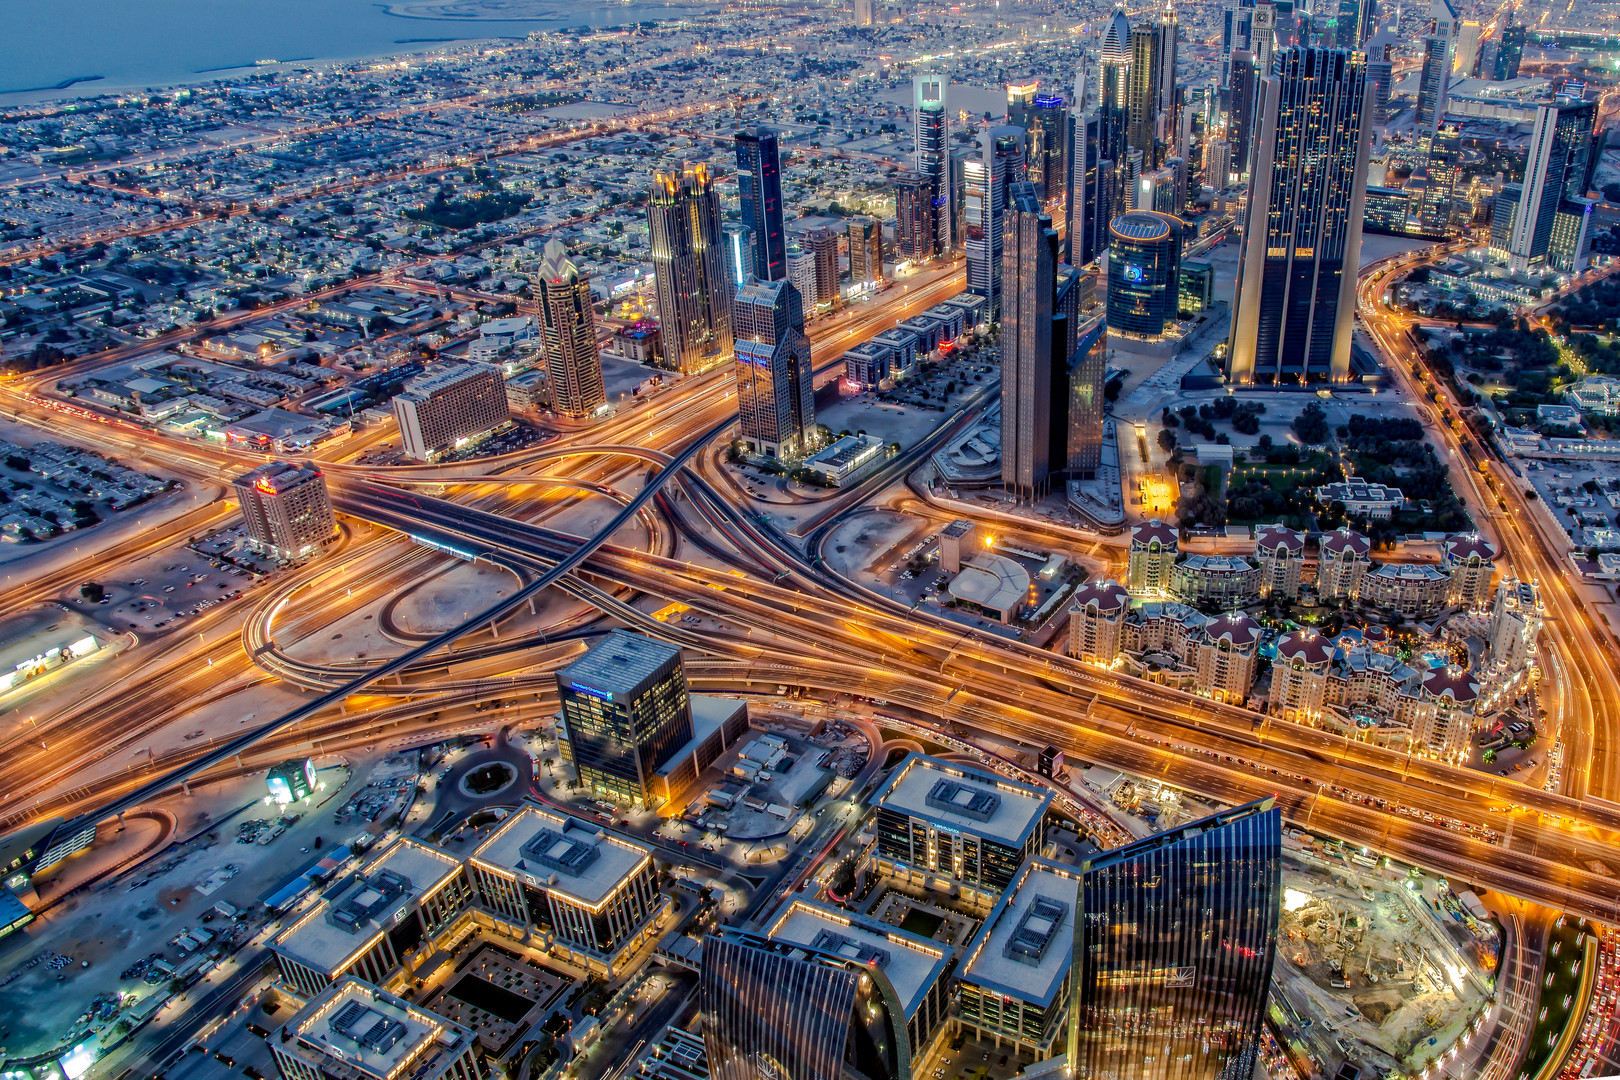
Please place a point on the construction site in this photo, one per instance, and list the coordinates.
(1376, 969)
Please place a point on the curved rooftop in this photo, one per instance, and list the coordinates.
(1143, 225)
(1465, 546)
(1452, 683)
(1104, 594)
(1234, 627)
(991, 581)
(1345, 541)
(1147, 532)
(1305, 645)
(1116, 39)
(1268, 537)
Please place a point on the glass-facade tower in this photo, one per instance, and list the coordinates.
(1000, 162)
(626, 711)
(759, 188)
(689, 270)
(1296, 278)
(1144, 273)
(776, 404)
(932, 159)
(1174, 951)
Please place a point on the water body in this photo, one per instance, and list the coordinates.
(100, 46)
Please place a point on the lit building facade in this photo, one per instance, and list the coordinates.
(1097, 621)
(998, 163)
(1469, 562)
(1299, 676)
(759, 189)
(1177, 941)
(1343, 559)
(865, 251)
(933, 158)
(776, 404)
(689, 270)
(1150, 558)
(448, 407)
(286, 508)
(1144, 273)
(568, 336)
(1280, 551)
(355, 1031)
(1221, 581)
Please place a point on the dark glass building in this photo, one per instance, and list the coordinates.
(1144, 273)
(759, 187)
(689, 269)
(1174, 950)
(1509, 52)
(933, 156)
(1090, 181)
(626, 712)
(1295, 308)
(776, 404)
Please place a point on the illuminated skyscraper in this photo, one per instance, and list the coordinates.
(286, 509)
(568, 335)
(823, 244)
(689, 270)
(1174, 950)
(1114, 90)
(1439, 50)
(999, 162)
(776, 401)
(865, 251)
(917, 238)
(1144, 273)
(1244, 97)
(759, 188)
(739, 241)
(1090, 191)
(1355, 23)
(1297, 275)
(1145, 128)
(1029, 278)
(933, 152)
(1503, 53)
(1554, 170)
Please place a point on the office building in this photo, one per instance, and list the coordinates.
(286, 509)
(377, 923)
(823, 247)
(1571, 234)
(626, 712)
(802, 273)
(1280, 551)
(956, 829)
(593, 892)
(1355, 23)
(1176, 944)
(740, 252)
(1044, 119)
(917, 969)
(1097, 620)
(777, 1009)
(1146, 101)
(1439, 52)
(933, 154)
(1299, 676)
(1465, 61)
(1302, 241)
(865, 251)
(1237, 31)
(355, 1031)
(1015, 976)
(1469, 561)
(1144, 273)
(1150, 557)
(1087, 366)
(1244, 98)
(449, 406)
(759, 190)
(776, 400)
(1196, 287)
(568, 336)
(998, 163)
(1380, 74)
(1343, 559)
(1442, 153)
(1508, 54)
(1556, 162)
(689, 270)
(1516, 617)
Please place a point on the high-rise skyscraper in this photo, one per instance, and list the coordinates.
(865, 251)
(1088, 363)
(759, 188)
(776, 401)
(1146, 103)
(1045, 120)
(1175, 944)
(999, 162)
(1264, 38)
(1301, 244)
(1090, 191)
(1439, 50)
(1029, 278)
(933, 152)
(1503, 211)
(1237, 32)
(626, 711)
(1114, 89)
(1243, 100)
(1355, 23)
(689, 270)
(1554, 169)
(1442, 150)
(1144, 273)
(1509, 51)
(917, 215)
(1465, 54)
(568, 335)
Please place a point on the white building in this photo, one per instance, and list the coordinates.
(1361, 499)
(1097, 621)
(1343, 561)
(1280, 551)
(1299, 676)
(1152, 553)
(448, 407)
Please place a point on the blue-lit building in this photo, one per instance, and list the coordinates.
(1144, 273)
(759, 186)
(626, 711)
(1174, 949)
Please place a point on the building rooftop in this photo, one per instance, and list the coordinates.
(278, 476)
(991, 581)
(341, 927)
(964, 799)
(1341, 541)
(912, 963)
(620, 664)
(354, 1029)
(1025, 947)
(1306, 645)
(420, 387)
(1146, 532)
(1275, 536)
(1218, 564)
(1409, 571)
(1465, 546)
(565, 855)
(1103, 594)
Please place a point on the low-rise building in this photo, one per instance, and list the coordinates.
(354, 1031)
(1361, 499)
(1222, 581)
(592, 895)
(1015, 976)
(1411, 590)
(1097, 621)
(848, 459)
(991, 585)
(956, 829)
